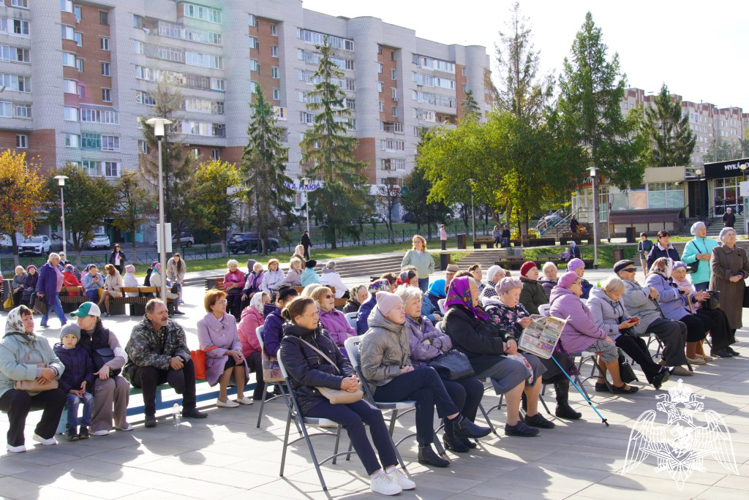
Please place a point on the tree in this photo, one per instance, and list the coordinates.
(216, 195)
(328, 151)
(671, 141)
(21, 196)
(416, 190)
(89, 201)
(132, 206)
(471, 109)
(388, 195)
(721, 150)
(263, 170)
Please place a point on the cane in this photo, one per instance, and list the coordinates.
(603, 420)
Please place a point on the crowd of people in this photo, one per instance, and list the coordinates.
(433, 342)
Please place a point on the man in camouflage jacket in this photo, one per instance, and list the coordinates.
(158, 354)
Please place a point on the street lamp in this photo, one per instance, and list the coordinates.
(473, 214)
(158, 131)
(61, 182)
(305, 184)
(595, 217)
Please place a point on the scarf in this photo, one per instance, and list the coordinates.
(459, 294)
(14, 326)
(256, 302)
(666, 272)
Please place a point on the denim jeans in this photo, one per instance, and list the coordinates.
(424, 284)
(72, 403)
(93, 295)
(53, 302)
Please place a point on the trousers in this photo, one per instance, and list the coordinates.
(716, 322)
(255, 363)
(466, 394)
(695, 328)
(673, 334)
(111, 398)
(17, 405)
(424, 284)
(636, 349)
(148, 378)
(73, 403)
(53, 302)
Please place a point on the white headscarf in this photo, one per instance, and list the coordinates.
(256, 302)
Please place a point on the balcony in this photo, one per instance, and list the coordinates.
(280, 112)
(392, 127)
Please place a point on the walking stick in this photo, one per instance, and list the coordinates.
(603, 420)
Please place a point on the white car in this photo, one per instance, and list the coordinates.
(99, 240)
(35, 245)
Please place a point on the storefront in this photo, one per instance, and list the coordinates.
(723, 181)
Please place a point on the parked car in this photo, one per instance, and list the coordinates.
(408, 217)
(35, 245)
(250, 242)
(186, 240)
(100, 240)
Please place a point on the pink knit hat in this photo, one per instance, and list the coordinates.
(575, 264)
(567, 279)
(507, 284)
(387, 301)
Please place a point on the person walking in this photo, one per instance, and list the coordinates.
(496, 236)
(307, 244)
(729, 219)
(48, 288)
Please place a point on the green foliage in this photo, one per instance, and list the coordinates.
(416, 190)
(471, 109)
(133, 204)
(721, 150)
(216, 195)
(671, 141)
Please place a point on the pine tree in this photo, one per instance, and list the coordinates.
(671, 141)
(328, 151)
(264, 171)
(471, 109)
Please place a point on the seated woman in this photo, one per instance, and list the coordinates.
(578, 266)
(333, 320)
(129, 280)
(252, 284)
(472, 333)
(533, 295)
(358, 295)
(309, 276)
(69, 279)
(427, 344)
(93, 282)
(377, 286)
(581, 333)
(112, 285)
(674, 305)
(272, 278)
(252, 318)
(331, 278)
(410, 278)
(273, 331)
(506, 311)
(478, 275)
(19, 278)
(549, 280)
(715, 320)
(29, 286)
(234, 281)
(386, 365)
(294, 276)
(225, 364)
(493, 276)
(436, 292)
(156, 280)
(610, 315)
(307, 369)
(20, 351)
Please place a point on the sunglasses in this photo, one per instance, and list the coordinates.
(630, 270)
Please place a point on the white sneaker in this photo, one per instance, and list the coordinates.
(15, 449)
(46, 442)
(103, 432)
(126, 428)
(397, 476)
(383, 485)
(245, 401)
(226, 404)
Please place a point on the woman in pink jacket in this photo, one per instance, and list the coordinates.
(581, 333)
(252, 318)
(332, 319)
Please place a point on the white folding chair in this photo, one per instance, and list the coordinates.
(544, 310)
(351, 318)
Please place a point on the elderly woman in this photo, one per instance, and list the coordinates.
(662, 248)
(533, 294)
(478, 275)
(331, 278)
(29, 286)
(157, 281)
(700, 249)
(69, 279)
(225, 364)
(377, 286)
(549, 280)
(252, 319)
(610, 315)
(48, 287)
(19, 277)
(309, 276)
(273, 331)
(25, 357)
(112, 285)
(427, 344)
(175, 272)
(511, 318)
(385, 353)
(409, 278)
(578, 266)
(715, 320)
(333, 320)
(313, 360)
(234, 281)
(580, 333)
(252, 284)
(675, 305)
(272, 278)
(129, 280)
(294, 276)
(730, 268)
(93, 282)
(421, 259)
(358, 296)
(472, 333)
(494, 275)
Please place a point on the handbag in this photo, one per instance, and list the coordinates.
(271, 369)
(33, 385)
(693, 267)
(453, 365)
(8, 304)
(713, 302)
(40, 305)
(105, 355)
(336, 396)
(199, 361)
(626, 372)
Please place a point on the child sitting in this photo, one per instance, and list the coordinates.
(75, 380)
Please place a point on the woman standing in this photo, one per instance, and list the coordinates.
(175, 272)
(117, 258)
(421, 259)
(217, 334)
(252, 319)
(157, 280)
(662, 248)
(112, 285)
(700, 249)
(443, 237)
(730, 268)
(49, 286)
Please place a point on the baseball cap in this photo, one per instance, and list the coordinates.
(87, 309)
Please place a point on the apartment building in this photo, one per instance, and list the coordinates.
(78, 76)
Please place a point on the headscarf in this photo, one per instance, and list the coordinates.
(678, 265)
(129, 268)
(459, 294)
(666, 271)
(437, 288)
(157, 268)
(256, 302)
(492, 273)
(381, 285)
(573, 243)
(69, 268)
(696, 227)
(14, 326)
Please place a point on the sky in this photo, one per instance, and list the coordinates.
(699, 49)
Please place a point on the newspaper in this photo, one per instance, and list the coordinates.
(541, 336)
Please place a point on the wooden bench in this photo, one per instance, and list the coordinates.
(487, 241)
(71, 302)
(577, 239)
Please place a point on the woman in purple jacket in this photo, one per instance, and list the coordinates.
(581, 333)
(48, 287)
(273, 328)
(427, 344)
(225, 363)
(332, 320)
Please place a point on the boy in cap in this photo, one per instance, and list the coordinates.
(76, 380)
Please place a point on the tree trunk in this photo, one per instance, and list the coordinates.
(15, 250)
(333, 242)
(224, 252)
(135, 249)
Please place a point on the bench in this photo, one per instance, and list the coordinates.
(487, 241)
(71, 302)
(162, 404)
(511, 262)
(564, 240)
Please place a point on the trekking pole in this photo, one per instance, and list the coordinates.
(603, 420)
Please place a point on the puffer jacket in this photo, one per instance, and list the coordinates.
(580, 332)
(697, 246)
(364, 311)
(78, 368)
(607, 314)
(273, 332)
(658, 251)
(272, 281)
(426, 341)
(548, 285)
(246, 330)
(309, 277)
(18, 360)
(148, 347)
(532, 295)
(307, 369)
(636, 300)
(673, 303)
(384, 350)
(337, 326)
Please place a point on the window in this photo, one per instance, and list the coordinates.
(218, 108)
(79, 65)
(251, 20)
(392, 145)
(393, 74)
(110, 143)
(196, 153)
(379, 68)
(22, 141)
(308, 118)
(24, 4)
(104, 17)
(380, 87)
(66, 5)
(16, 83)
(15, 26)
(463, 71)
(15, 54)
(277, 94)
(68, 32)
(351, 104)
(274, 29)
(274, 72)
(71, 114)
(204, 60)
(77, 13)
(274, 50)
(81, 91)
(203, 13)
(68, 59)
(91, 167)
(218, 84)
(216, 154)
(253, 42)
(254, 65)
(394, 93)
(106, 69)
(142, 97)
(395, 111)
(253, 87)
(111, 169)
(79, 39)
(382, 106)
(106, 95)
(104, 44)
(6, 109)
(316, 38)
(392, 55)
(90, 141)
(72, 141)
(143, 147)
(23, 111)
(70, 86)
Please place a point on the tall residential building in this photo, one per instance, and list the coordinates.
(78, 76)
(708, 122)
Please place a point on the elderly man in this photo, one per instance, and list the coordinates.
(159, 354)
(642, 302)
(729, 219)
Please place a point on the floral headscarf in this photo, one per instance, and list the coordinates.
(381, 285)
(157, 268)
(663, 266)
(459, 294)
(14, 326)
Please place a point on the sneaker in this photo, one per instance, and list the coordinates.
(383, 485)
(151, 421)
(397, 476)
(102, 432)
(680, 371)
(84, 433)
(520, 429)
(539, 421)
(245, 401)
(226, 404)
(15, 449)
(43, 441)
(125, 428)
(71, 435)
(696, 361)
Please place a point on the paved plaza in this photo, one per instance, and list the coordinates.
(226, 456)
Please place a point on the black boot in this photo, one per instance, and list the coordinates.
(427, 456)
(564, 410)
(449, 439)
(465, 428)
(468, 443)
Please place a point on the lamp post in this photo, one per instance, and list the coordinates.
(305, 183)
(698, 172)
(473, 213)
(595, 217)
(158, 131)
(61, 182)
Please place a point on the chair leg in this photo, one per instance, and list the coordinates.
(262, 405)
(440, 449)
(351, 447)
(541, 398)
(393, 418)
(285, 443)
(337, 441)
(314, 457)
(488, 420)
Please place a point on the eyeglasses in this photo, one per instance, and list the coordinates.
(629, 270)
(222, 301)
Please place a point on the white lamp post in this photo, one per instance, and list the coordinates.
(158, 131)
(61, 182)
(595, 217)
(473, 212)
(305, 184)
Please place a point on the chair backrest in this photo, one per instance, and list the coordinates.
(351, 345)
(281, 366)
(351, 318)
(544, 310)
(441, 303)
(259, 333)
